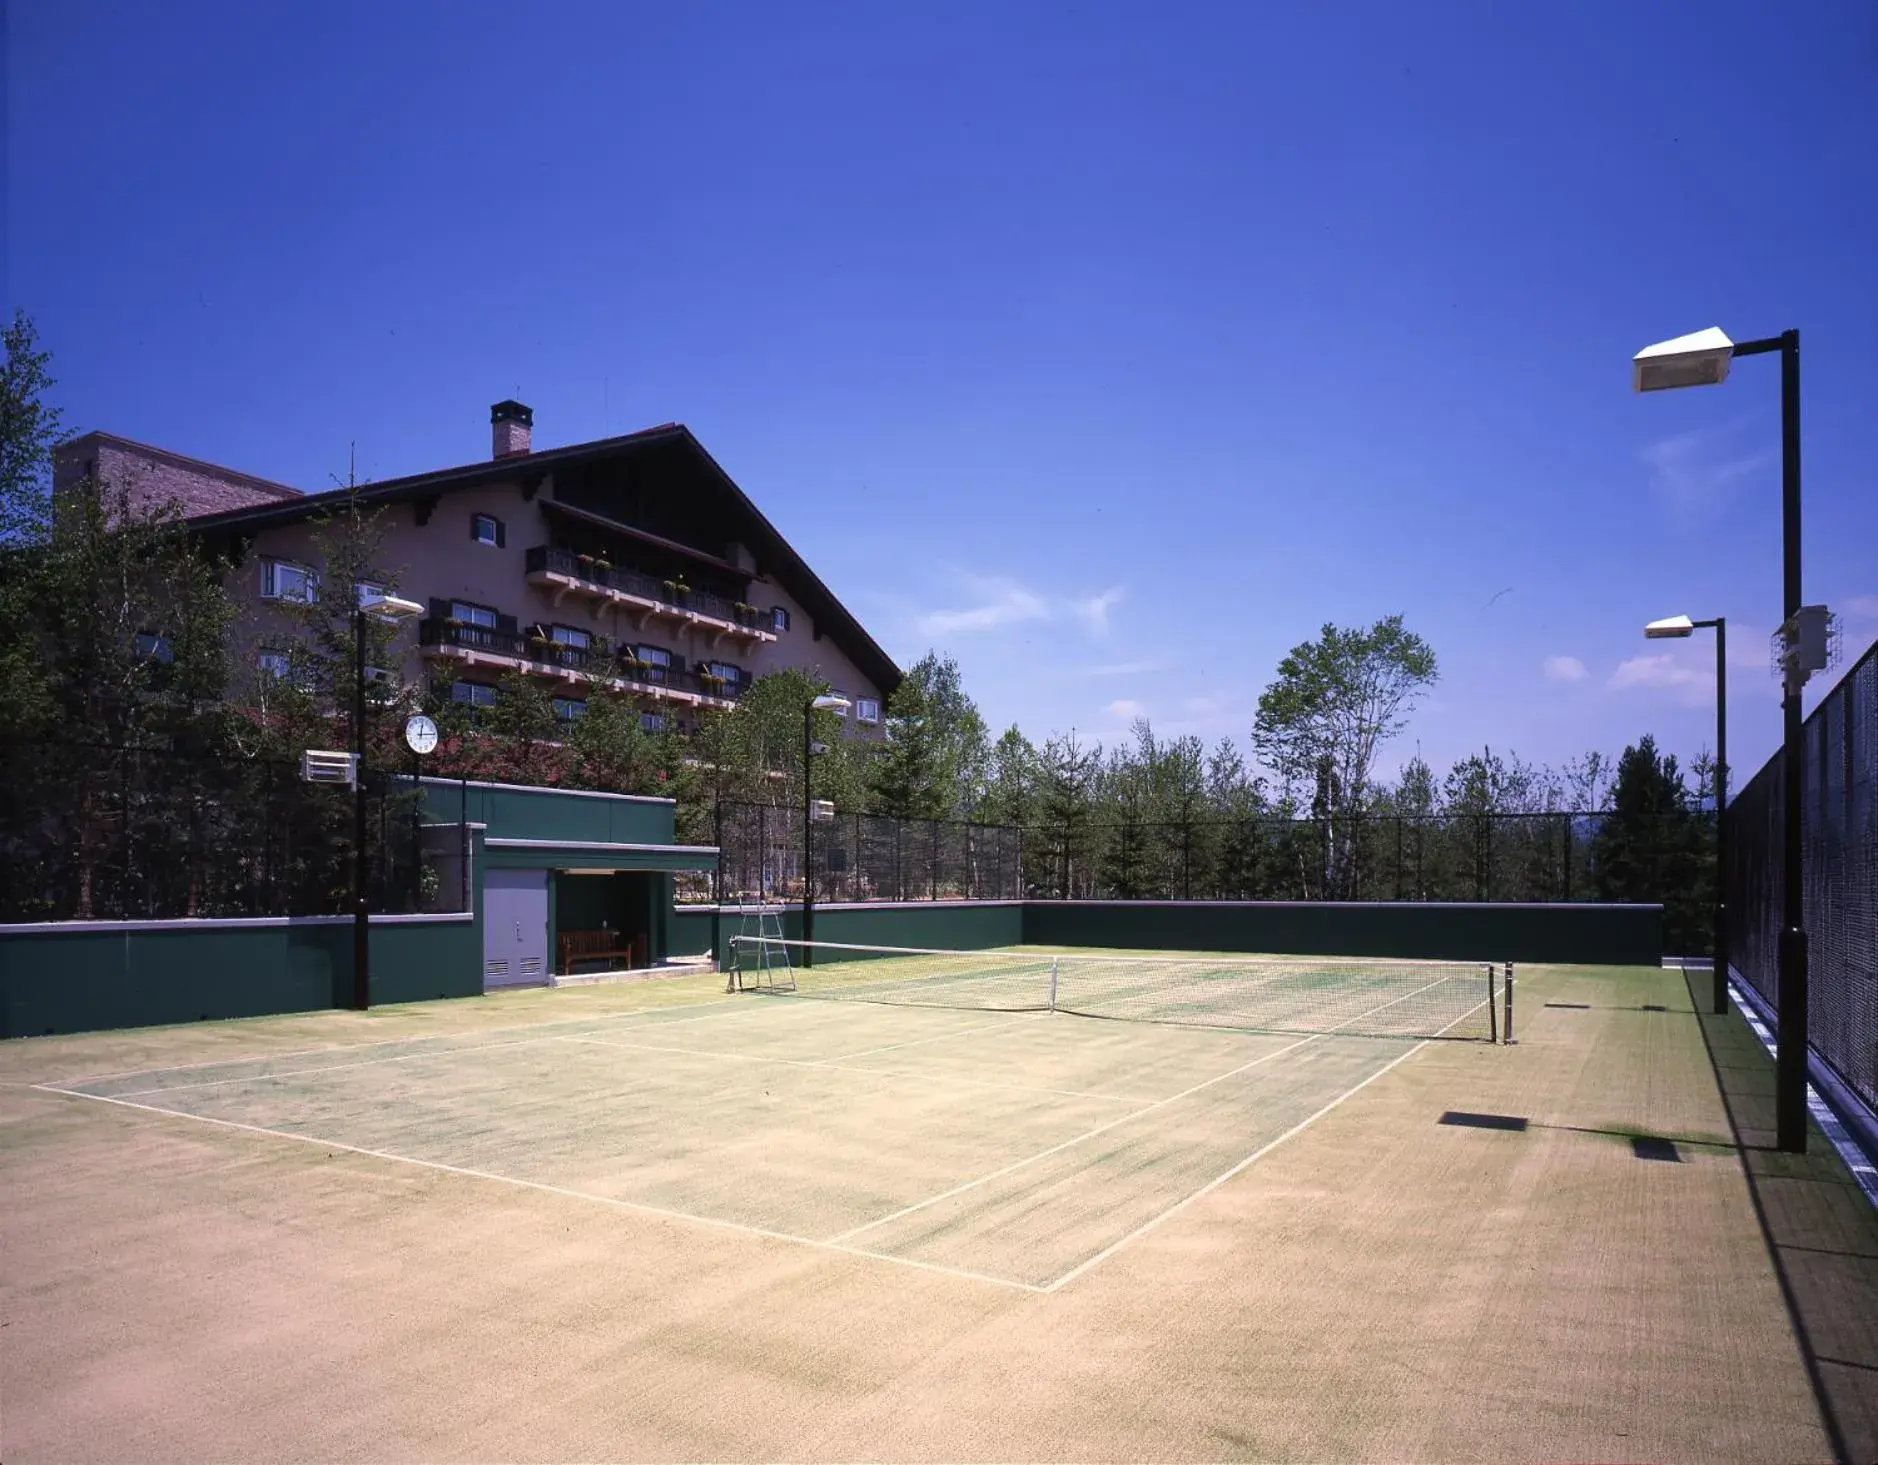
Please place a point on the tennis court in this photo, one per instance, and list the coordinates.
(1025, 1204)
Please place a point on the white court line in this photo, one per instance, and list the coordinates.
(636, 1207)
(937, 1038)
(1125, 1118)
(211, 1083)
(519, 1027)
(978, 1083)
(1218, 1180)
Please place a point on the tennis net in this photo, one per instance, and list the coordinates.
(1321, 994)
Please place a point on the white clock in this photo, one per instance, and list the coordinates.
(420, 734)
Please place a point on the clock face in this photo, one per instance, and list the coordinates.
(420, 734)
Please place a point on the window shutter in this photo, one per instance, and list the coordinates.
(439, 609)
(678, 662)
(506, 624)
(502, 535)
(472, 523)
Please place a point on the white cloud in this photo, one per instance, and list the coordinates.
(1093, 611)
(1862, 608)
(1696, 472)
(1666, 673)
(1203, 705)
(1127, 710)
(1123, 669)
(999, 601)
(1565, 669)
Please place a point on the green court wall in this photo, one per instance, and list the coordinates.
(1618, 935)
(81, 976)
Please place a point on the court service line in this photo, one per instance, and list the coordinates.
(406, 1057)
(982, 1027)
(977, 1083)
(1214, 1184)
(1104, 1128)
(210, 1083)
(636, 1207)
(518, 1027)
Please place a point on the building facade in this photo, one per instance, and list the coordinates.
(632, 566)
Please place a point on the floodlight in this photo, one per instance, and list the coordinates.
(1672, 628)
(390, 607)
(1698, 360)
(829, 702)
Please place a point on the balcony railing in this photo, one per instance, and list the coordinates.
(592, 664)
(668, 595)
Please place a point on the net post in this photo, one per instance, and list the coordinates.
(1053, 966)
(1509, 1002)
(1493, 1017)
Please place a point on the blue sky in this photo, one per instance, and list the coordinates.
(1109, 349)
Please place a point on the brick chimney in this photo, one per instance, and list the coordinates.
(513, 426)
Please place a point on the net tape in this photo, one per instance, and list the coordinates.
(1357, 996)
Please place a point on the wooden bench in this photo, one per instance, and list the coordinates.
(601, 946)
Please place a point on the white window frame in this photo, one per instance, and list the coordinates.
(841, 712)
(867, 709)
(571, 636)
(494, 541)
(779, 617)
(471, 614)
(366, 591)
(276, 664)
(271, 588)
(470, 699)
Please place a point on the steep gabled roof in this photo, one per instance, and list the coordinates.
(748, 524)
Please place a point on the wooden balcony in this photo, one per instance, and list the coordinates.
(443, 639)
(562, 572)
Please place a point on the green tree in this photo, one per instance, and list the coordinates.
(1650, 847)
(1335, 701)
(933, 764)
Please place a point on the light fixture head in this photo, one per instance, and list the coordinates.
(1671, 628)
(390, 607)
(1697, 360)
(828, 702)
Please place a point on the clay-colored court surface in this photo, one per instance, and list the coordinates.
(656, 1221)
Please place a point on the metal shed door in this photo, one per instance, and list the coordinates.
(515, 928)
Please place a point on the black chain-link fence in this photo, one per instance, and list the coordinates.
(1839, 872)
(1454, 857)
(860, 857)
(152, 833)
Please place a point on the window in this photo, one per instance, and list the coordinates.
(273, 663)
(655, 663)
(652, 722)
(487, 529)
(366, 591)
(473, 615)
(566, 709)
(866, 709)
(778, 618)
(474, 694)
(571, 636)
(731, 674)
(153, 646)
(285, 580)
(841, 712)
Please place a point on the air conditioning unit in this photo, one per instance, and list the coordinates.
(318, 766)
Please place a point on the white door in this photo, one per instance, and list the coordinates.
(515, 928)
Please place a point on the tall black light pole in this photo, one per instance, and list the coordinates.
(825, 703)
(384, 608)
(1698, 360)
(1676, 628)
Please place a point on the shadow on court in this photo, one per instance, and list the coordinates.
(1821, 1234)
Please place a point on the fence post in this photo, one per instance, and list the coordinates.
(932, 870)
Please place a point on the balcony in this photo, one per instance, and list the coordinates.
(562, 572)
(445, 639)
